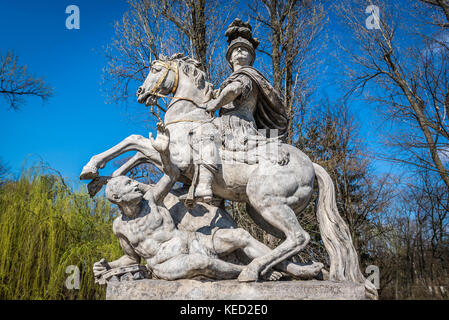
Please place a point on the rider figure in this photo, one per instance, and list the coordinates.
(247, 100)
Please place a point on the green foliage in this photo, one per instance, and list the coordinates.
(44, 228)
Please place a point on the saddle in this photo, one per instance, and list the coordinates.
(214, 146)
(249, 148)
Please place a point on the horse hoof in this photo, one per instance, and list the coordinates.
(89, 172)
(248, 275)
(322, 275)
(95, 185)
(317, 267)
(273, 275)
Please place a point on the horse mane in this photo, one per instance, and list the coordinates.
(192, 69)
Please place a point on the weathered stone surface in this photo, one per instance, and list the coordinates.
(224, 158)
(233, 290)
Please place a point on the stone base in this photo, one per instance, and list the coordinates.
(233, 290)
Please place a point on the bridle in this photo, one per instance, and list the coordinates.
(171, 66)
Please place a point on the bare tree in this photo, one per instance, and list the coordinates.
(16, 83)
(332, 139)
(413, 250)
(410, 86)
(443, 5)
(403, 67)
(289, 32)
(154, 27)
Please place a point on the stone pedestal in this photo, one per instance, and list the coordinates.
(233, 290)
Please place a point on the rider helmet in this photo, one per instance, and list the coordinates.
(239, 34)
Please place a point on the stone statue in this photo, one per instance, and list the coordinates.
(274, 179)
(246, 99)
(147, 230)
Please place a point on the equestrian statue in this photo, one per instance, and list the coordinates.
(240, 155)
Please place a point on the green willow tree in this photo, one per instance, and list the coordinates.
(45, 228)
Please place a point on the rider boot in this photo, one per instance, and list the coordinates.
(203, 189)
(207, 168)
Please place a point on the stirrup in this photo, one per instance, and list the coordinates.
(187, 201)
(190, 203)
(205, 199)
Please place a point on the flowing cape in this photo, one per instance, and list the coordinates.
(269, 113)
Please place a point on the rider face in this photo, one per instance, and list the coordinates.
(241, 56)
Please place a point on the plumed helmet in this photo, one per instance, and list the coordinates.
(239, 34)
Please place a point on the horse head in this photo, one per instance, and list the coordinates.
(165, 78)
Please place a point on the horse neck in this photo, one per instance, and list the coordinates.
(184, 109)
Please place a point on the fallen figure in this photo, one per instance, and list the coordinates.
(146, 230)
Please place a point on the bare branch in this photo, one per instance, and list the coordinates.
(16, 83)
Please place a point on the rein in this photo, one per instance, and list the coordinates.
(188, 120)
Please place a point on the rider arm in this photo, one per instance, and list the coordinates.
(242, 85)
(163, 187)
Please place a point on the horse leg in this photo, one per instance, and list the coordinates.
(96, 184)
(131, 143)
(283, 218)
(228, 240)
(190, 265)
(137, 159)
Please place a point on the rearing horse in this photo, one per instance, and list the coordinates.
(274, 193)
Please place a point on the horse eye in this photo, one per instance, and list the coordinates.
(155, 69)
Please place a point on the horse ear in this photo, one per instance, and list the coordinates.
(177, 56)
(162, 57)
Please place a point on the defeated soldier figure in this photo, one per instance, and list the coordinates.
(147, 230)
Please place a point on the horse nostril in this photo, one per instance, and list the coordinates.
(140, 90)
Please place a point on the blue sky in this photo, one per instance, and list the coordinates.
(76, 123)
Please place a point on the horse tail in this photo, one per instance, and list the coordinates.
(344, 263)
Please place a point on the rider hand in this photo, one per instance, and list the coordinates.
(162, 141)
